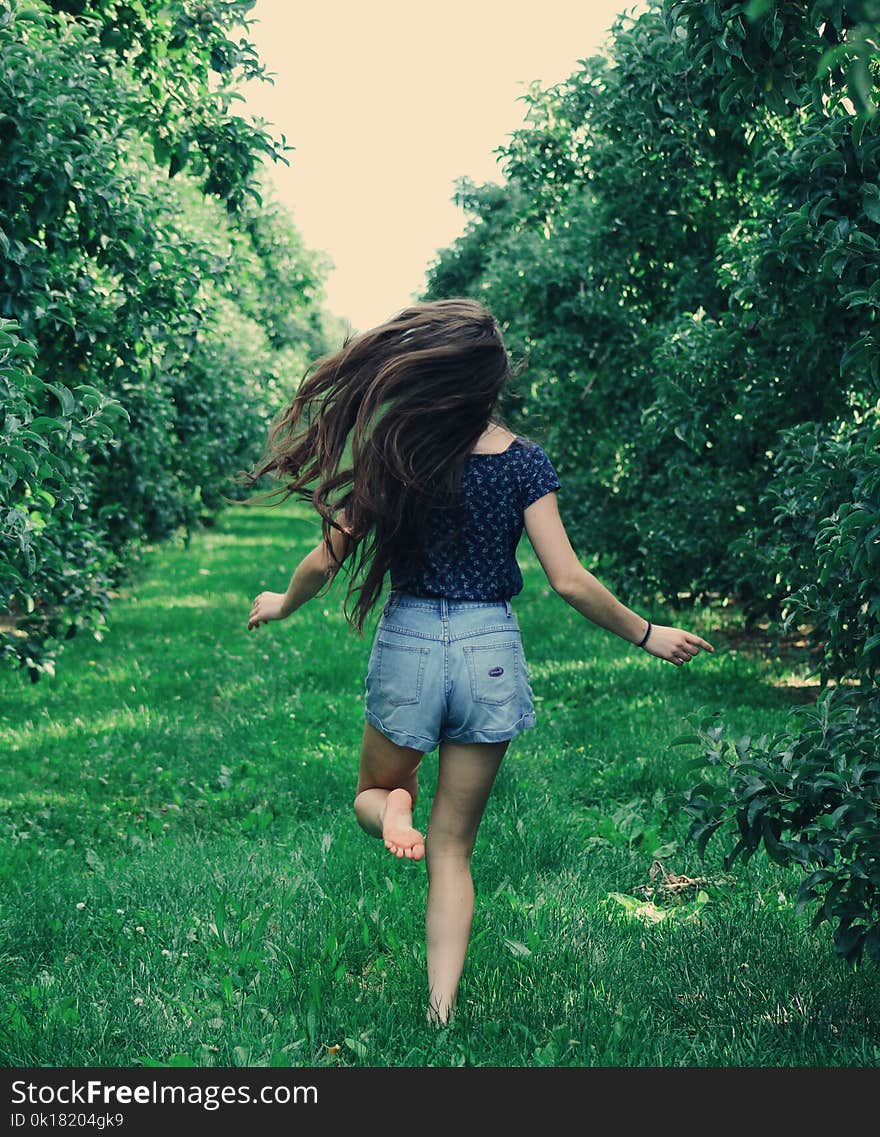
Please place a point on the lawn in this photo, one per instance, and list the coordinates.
(184, 882)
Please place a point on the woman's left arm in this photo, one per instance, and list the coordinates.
(591, 598)
(309, 577)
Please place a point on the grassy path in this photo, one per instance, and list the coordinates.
(183, 880)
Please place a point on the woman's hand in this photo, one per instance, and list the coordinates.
(267, 606)
(675, 645)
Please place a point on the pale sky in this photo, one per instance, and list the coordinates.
(387, 103)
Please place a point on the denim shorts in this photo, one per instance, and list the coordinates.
(447, 671)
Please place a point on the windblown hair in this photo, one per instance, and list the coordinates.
(381, 429)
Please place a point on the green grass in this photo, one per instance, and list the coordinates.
(183, 880)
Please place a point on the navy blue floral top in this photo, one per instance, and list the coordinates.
(481, 563)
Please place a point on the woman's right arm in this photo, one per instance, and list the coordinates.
(587, 595)
(309, 577)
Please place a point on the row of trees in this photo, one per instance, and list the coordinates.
(156, 305)
(686, 255)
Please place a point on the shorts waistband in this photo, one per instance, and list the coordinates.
(441, 605)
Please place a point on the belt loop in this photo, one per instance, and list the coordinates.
(508, 608)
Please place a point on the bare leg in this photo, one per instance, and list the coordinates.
(465, 777)
(386, 795)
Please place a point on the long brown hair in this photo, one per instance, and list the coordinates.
(382, 429)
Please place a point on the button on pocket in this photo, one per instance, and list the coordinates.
(494, 672)
(400, 669)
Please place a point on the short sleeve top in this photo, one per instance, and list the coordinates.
(480, 563)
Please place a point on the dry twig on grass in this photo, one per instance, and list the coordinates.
(670, 888)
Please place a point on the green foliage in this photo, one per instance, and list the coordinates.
(686, 256)
(782, 52)
(825, 540)
(810, 801)
(186, 70)
(54, 569)
(183, 293)
(687, 265)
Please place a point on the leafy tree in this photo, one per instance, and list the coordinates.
(809, 796)
(143, 258)
(52, 559)
(677, 265)
(686, 252)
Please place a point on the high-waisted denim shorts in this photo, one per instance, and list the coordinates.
(447, 671)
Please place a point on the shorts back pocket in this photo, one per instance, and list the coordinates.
(494, 671)
(399, 671)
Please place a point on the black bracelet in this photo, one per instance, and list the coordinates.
(644, 638)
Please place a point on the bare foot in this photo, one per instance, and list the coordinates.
(439, 1019)
(401, 840)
